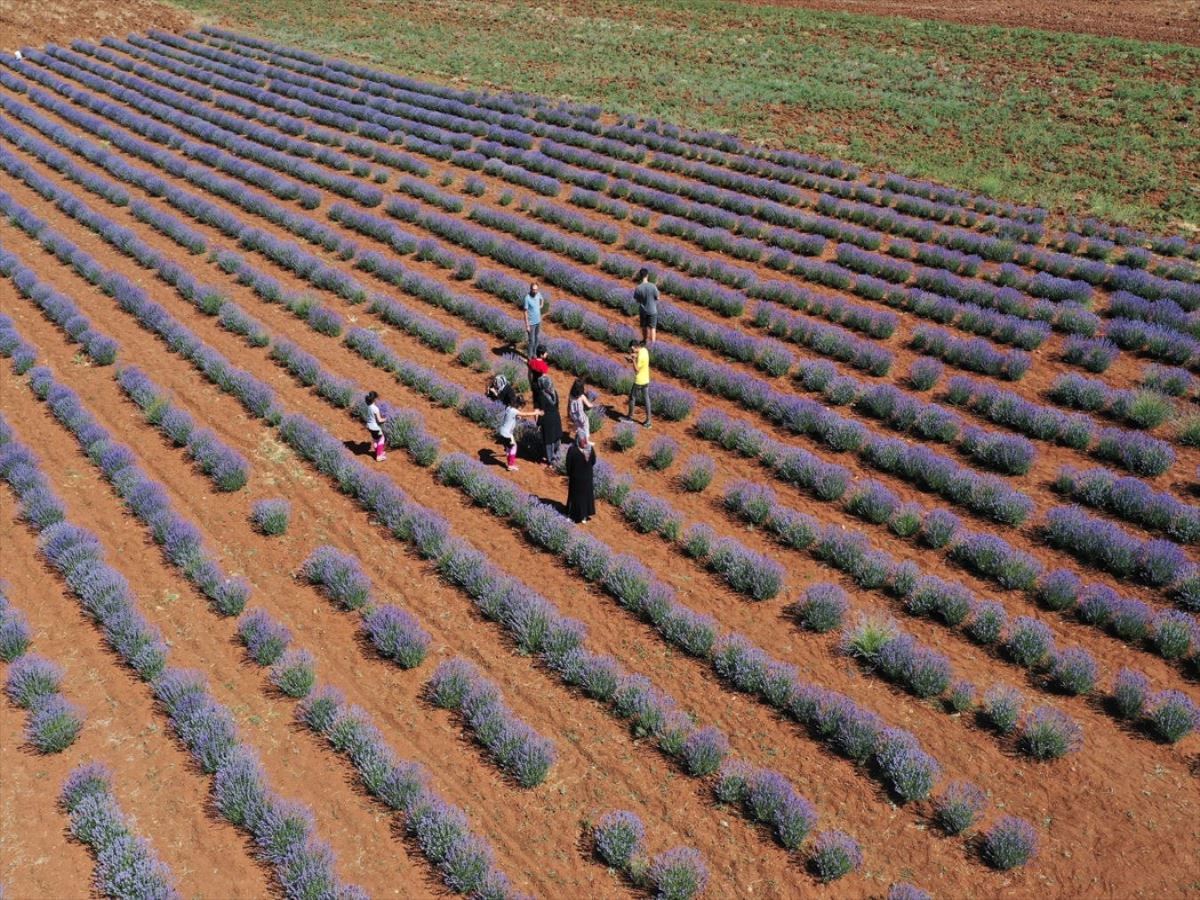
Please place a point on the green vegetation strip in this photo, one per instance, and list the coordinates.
(1079, 123)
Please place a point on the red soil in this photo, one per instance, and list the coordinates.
(1123, 799)
(34, 23)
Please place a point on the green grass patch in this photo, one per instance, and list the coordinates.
(1078, 123)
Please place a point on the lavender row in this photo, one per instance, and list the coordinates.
(1128, 237)
(671, 401)
(1066, 316)
(746, 572)
(737, 662)
(618, 840)
(227, 468)
(440, 829)
(290, 673)
(1003, 327)
(1044, 732)
(302, 863)
(1103, 544)
(245, 93)
(877, 323)
(171, 97)
(125, 862)
(1167, 313)
(285, 123)
(34, 683)
(520, 751)
(15, 635)
(1015, 412)
(214, 128)
(14, 347)
(179, 539)
(232, 163)
(533, 622)
(256, 397)
(236, 192)
(385, 114)
(1131, 499)
(1026, 642)
(828, 340)
(986, 554)
(57, 307)
(1159, 342)
(1141, 409)
(884, 192)
(1009, 454)
(1082, 273)
(973, 354)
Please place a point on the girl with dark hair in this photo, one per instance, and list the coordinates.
(577, 406)
(513, 401)
(375, 420)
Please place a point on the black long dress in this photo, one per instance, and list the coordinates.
(546, 399)
(581, 491)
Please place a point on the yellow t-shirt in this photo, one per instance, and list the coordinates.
(641, 367)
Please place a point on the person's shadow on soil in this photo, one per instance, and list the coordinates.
(558, 506)
(359, 448)
(490, 458)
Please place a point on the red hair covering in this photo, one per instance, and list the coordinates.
(540, 366)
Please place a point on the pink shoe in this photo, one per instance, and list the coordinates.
(513, 469)
(381, 457)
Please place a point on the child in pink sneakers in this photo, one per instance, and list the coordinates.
(375, 420)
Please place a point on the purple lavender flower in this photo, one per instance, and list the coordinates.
(397, 635)
(678, 874)
(833, 855)
(1009, 843)
(619, 836)
(1048, 733)
(959, 806)
(339, 576)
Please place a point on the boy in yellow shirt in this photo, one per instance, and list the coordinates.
(640, 392)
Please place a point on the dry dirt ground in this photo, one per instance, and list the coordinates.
(35, 23)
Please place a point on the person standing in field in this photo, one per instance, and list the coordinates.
(640, 357)
(646, 295)
(533, 319)
(513, 401)
(375, 420)
(581, 487)
(577, 406)
(545, 400)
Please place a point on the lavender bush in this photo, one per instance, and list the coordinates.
(697, 473)
(618, 839)
(822, 607)
(271, 517)
(1172, 715)
(397, 635)
(1048, 733)
(959, 806)
(338, 575)
(678, 874)
(833, 855)
(1009, 843)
